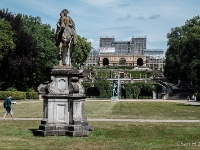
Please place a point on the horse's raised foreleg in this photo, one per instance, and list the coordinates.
(60, 53)
(65, 56)
(68, 55)
(69, 51)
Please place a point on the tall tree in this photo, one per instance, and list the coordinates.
(35, 52)
(19, 67)
(182, 56)
(6, 38)
(81, 52)
(44, 37)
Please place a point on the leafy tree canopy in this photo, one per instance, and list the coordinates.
(6, 38)
(183, 53)
(81, 51)
(34, 50)
(18, 68)
(44, 37)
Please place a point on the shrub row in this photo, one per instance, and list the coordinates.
(103, 89)
(31, 95)
(197, 97)
(17, 95)
(115, 67)
(108, 73)
(145, 97)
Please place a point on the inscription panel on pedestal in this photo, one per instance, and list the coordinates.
(61, 112)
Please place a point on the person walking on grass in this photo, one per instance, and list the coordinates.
(8, 108)
(193, 98)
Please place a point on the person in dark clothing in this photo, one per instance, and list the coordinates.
(9, 107)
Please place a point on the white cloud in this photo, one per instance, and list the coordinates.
(123, 5)
(100, 3)
(154, 16)
(124, 17)
(90, 40)
(95, 44)
(141, 18)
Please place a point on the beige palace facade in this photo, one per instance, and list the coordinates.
(128, 60)
(130, 53)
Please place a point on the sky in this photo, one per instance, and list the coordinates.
(121, 19)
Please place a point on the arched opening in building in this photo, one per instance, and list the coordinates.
(92, 91)
(139, 61)
(105, 62)
(122, 61)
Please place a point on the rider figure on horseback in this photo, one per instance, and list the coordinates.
(66, 22)
(65, 33)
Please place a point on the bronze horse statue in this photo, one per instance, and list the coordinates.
(66, 38)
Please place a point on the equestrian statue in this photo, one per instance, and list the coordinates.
(66, 38)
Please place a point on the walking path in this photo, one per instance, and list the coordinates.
(122, 120)
(122, 100)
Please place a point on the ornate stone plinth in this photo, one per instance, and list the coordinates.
(64, 105)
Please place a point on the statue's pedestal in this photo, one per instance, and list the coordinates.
(115, 99)
(64, 106)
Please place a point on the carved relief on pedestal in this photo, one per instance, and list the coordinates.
(74, 82)
(62, 85)
(58, 85)
(81, 88)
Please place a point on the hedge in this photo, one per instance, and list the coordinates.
(109, 73)
(18, 95)
(31, 95)
(131, 90)
(104, 88)
(115, 67)
(15, 95)
(197, 97)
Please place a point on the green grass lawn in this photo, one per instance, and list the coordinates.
(26, 109)
(123, 110)
(16, 134)
(106, 135)
(142, 110)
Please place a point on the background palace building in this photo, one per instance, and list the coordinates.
(129, 53)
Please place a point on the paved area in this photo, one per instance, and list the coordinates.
(120, 120)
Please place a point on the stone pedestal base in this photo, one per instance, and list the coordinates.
(63, 115)
(70, 130)
(154, 95)
(64, 106)
(114, 99)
